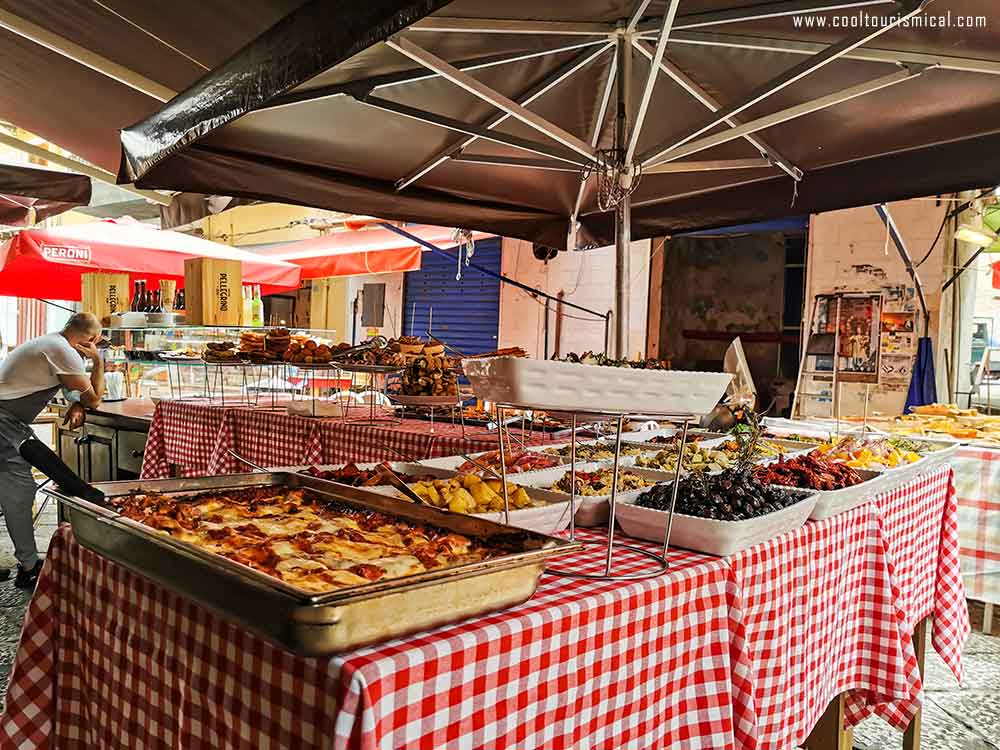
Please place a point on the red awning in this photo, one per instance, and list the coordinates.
(362, 252)
(48, 263)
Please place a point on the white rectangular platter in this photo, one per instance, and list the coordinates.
(709, 535)
(565, 386)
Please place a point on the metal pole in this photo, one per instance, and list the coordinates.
(572, 492)
(623, 214)
(545, 328)
(503, 468)
(676, 487)
(614, 496)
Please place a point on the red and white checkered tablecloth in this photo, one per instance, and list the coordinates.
(738, 652)
(192, 439)
(977, 481)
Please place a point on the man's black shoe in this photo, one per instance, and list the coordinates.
(26, 579)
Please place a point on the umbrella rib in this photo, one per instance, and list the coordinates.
(513, 161)
(654, 73)
(675, 167)
(510, 26)
(527, 97)
(595, 135)
(685, 82)
(450, 123)
(484, 92)
(786, 79)
(867, 54)
(413, 76)
(791, 113)
(637, 13)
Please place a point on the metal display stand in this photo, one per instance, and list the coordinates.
(213, 381)
(307, 389)
(378, 373)
(215, 384)
(660, 560)
(432, 403)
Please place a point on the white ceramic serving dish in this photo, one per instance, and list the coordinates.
(564, 386)
(453, 462)
(831, 502)
(709, 535)
(591, 510)
(644, 436)
(610, 443)
(549, 518)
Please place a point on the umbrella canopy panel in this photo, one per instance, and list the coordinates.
(28, 194)
(492, 116)
(362, 252)
(48, 263)
(120, 61)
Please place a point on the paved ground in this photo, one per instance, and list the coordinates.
(955, 718)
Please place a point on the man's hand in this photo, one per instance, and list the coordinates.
(88, 350)
(76, 415)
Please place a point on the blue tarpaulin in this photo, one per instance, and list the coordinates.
(923, 387)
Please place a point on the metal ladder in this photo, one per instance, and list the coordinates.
(833, 374)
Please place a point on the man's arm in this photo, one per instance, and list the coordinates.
(92, 389)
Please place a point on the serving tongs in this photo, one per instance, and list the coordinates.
(43, 458)
(396, 481)
(483, 467)
(377, 342)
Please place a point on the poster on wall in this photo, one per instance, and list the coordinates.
(899, 346)
(856, 322)
(898, 333)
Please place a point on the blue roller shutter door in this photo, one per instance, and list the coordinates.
(466, 313)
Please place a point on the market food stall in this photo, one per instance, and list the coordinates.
(748, 649)
(515, 677)
(711, 633)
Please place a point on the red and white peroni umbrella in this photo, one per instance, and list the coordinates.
(48, 263)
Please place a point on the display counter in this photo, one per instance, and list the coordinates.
(111, 444)
(744, 651)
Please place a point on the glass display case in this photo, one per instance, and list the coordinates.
(167, 362)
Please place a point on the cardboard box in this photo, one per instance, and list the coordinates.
(104, 293)
(213, 292)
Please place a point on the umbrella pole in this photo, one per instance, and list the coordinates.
(623, 212)
(623, 237)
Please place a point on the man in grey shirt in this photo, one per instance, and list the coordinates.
(29, 377)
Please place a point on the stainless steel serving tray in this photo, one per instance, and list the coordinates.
(299, 621)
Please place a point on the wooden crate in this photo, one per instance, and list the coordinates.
(213, 292)
(104, 293)
(328, 305)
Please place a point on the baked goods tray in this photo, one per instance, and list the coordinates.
(569, 387)
(311, 365)
(405, 400)
(710, 535)
(370, 369)
(317, 624)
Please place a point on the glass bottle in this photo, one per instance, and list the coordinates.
(257, 308)
(136, 297)
(246, 318)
